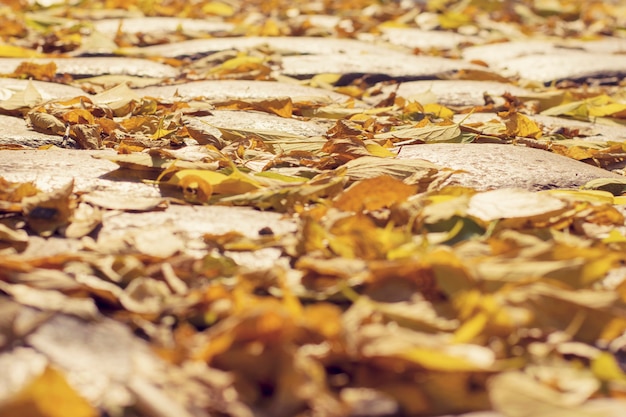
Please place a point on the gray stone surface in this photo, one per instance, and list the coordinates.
(497, 54)
(253, 120)
(90, 66)
(15, 132)
(551, 60)
(156, 25)
(567, 66)
(500, 53)
(241, 89)
(53, 168)
(427, 39)
(50, 169)
(490, 166)
(393, 65)
(285, 45)
(458, 93)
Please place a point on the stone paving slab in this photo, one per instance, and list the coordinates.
(392, 65)
(257, 121)
(285, 45)
(15, 132)
(427, 39)
(80, 67)
(550, 60)
(155, 25)
(458, 93)
(241, 89)
(490, 166)
(577, 66)
(53, 168)
(498, 53)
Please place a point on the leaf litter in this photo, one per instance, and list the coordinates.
(398, 294)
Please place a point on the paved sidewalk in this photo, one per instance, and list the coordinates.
(273, 102)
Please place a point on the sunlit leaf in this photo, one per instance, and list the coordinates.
(24, 99)
(49, 395)
(511, 203)
(46, 123)
(457, 358)
(46, 212)
(371, 167)
(374, 193)
(14, 51)
(428, 134)
(518, 124)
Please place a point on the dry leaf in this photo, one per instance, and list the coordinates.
(49, 395)
(373, 194)
(46, 212)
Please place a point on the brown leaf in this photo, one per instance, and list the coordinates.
(46, 212)
(45, 123)
(88, 136)
(281, 106)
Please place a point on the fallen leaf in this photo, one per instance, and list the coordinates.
(426, 134)
(49, 395)
(46, 212)
(512, 203)
(402, 169)
(373, 194)
(22, 101)
(518, 124)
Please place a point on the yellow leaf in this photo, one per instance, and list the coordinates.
(614, 237)
(195, 189)
(238, 183)
(326, 80)
(270, 28)
(606, 368)
(519, 125)
(49, 395)
(457, 358)
(453, 20)
(471, 328)
(218, 8)
(11, 51)
(198, 184)
(237, 62)
(377, 150)
(438, 110)
(612, 109)
(161, 133)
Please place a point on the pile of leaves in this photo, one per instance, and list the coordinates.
(398, 293)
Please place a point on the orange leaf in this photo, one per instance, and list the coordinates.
(374, 193)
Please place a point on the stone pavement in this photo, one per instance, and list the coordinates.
(534, 63)
(461, 71)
